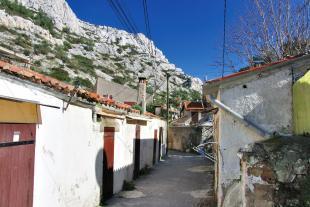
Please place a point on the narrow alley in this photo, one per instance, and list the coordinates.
(183, 179)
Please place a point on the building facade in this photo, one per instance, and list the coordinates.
(254, 105)
(64, 146)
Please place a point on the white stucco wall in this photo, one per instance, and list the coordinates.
(233, 136)
(264, 99)
(66, 151)
(123, 154)
(124, 149)
(69, 149)
(67, 146)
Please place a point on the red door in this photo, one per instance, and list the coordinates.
(17, 151)
(154, 147)
(108, 165)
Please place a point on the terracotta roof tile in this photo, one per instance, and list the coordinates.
(190, 105)
(252, 69)
(61, 86)
(150, 114)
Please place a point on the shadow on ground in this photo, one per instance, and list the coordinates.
(182, 180)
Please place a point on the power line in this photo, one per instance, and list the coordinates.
(147, 24)
(126, 20)
(121, 15)
(146, 19)
(224, 39)
(130, 23)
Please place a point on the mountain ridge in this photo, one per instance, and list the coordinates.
(70, 48)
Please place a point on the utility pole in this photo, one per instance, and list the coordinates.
(167, 76)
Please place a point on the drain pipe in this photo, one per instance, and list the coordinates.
(241, 118)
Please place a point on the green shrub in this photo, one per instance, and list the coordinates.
(149, 89)
(125, 47)
(117, 41)
(66, 30)
(44, 21)
(61, 54)
(88, 44)
(137, 107)
(133, 86)
(104, 56)
(80, 40)
(27, 52)
(133, 52)
(88, 48)
(60, 74)
(67, 46)
(17, 9)
(119, 50)
(3, 28)
(14, 8)
(34, 68)
(6, 46)
(120, 80)
(43, 48)
(149, 63)
(150, 108)
(105, 70)
(23, 41)
(37, 63)
(116, 59)
(119, 66)
(85, 82)
(82, 63)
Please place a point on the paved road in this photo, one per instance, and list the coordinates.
(182, 180)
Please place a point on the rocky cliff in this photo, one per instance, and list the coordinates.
(69, 49)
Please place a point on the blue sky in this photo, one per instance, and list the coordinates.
(189, 32)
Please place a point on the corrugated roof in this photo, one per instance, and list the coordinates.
(60, 86)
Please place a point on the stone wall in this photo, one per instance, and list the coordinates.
(184, 138)
(277, 173)
(263, 98)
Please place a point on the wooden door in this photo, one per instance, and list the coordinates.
(154, 147)
(137, 153)
(108, 162)
(17, 153)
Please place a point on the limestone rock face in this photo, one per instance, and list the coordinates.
(58, 10)
(109, 52)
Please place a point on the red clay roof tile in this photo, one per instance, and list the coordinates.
(252, 69)
(61, 86)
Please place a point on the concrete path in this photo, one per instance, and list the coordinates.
(182, 180)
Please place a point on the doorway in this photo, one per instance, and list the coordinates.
(108, 163)
(17, 153)
(137, 153)
(154, 147)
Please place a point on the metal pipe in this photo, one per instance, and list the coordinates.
(241, 118)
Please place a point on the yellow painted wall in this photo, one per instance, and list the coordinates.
(301, 105)
(19, 112)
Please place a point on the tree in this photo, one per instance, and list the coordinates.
(272, 30)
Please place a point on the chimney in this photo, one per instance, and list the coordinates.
(141, 100)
